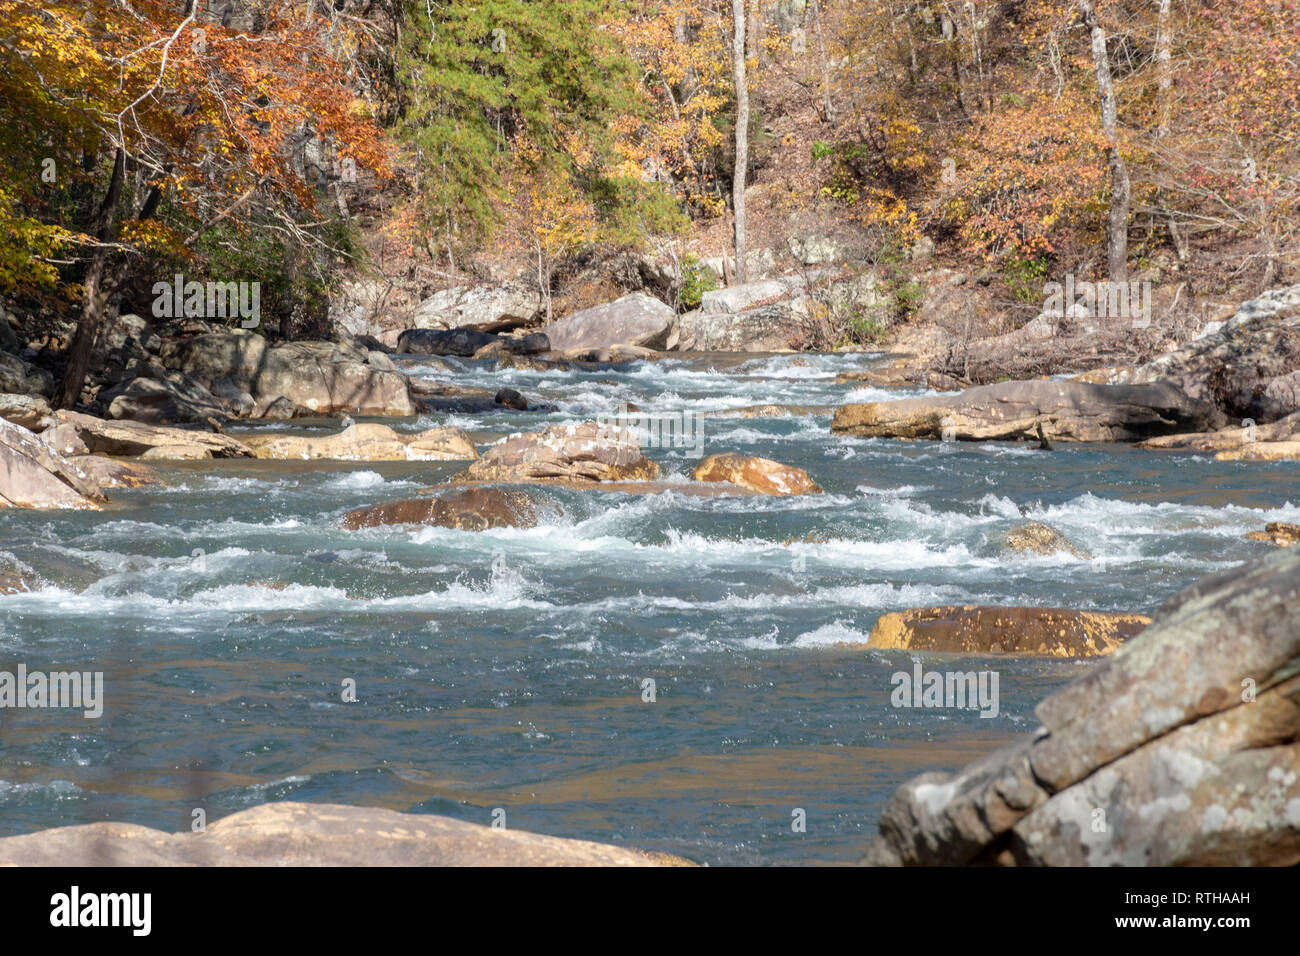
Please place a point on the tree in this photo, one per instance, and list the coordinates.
(742, 135)
(1117, 227)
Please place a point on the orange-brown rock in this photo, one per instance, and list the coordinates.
(470, 509)
(763, 475)
(561, 453)
(1279, 533)
(1036, 631)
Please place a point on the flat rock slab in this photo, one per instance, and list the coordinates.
(315, 834)
(135, 438)
(1023, 631)
(367, 441)
(34, 475)
(1066, 411)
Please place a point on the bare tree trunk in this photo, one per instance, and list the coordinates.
(821, 53)
(742, 135)
(1117, 228)
(1164, 67)
(93, 292)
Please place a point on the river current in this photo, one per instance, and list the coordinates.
(505, 674)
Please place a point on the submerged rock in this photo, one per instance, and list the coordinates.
(1179, 749)
(1279, 533)
(587, 452)
(1038, 631)
(16, 582)
(1038, 538)
(470, 509)
(34, 475)
(314, 834)
(1066, 411)
(763, 475)
(368, 441)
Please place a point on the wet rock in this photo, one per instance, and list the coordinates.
(15, 582)
(135, 438)
(637, 319)
(1029, 631)
(1038, 538)
(25, 410)
(763, 475)
(1184, 739)
(511, 399)
(587, 452)
(1249, 368)
(367, 442)
(118, 472)
(314, 834)
(34, 475)
(1231, 437)
(470, 509)
(462, 342)
(1279, 533)
(1067, 411)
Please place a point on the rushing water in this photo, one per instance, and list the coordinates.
(504, 669)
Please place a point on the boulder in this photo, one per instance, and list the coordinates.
(769, 328)
(1067, 411)
(510, 398)
(757, 474)
(26, 410)
(578, 453)
(742, 298)
(135, 438)
(368, 442)
(1030, 631)
(330, 379)
(1179, 749)
(477, 307)
(636, 319)
(18, 377)
(470, 509)
(1248, 368)
(314, 834)
(235, 356)
(1038, 538)
(462, 342)
(63, 438)
(34, 475)
(1279, 533)
(177, 453)
(177, 399)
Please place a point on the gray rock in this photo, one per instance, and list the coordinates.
(770, 328)
(462, 342)
(18, 377)
(174, 399)
(1180, 749)
(485, 308)
(1248, 368)
(220, 355)
(331, 379)
(1067, 411)
(135, 438)
(636, 319)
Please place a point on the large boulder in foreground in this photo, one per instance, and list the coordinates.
(470, 509)
(368, 442)
(1066, 411)
(1248, 368)
(1179, 749)
(136, 438)
(636, 319)
(763, 475)
(34, 475)
(575, 453)
(1023, 631)
(315, 834)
